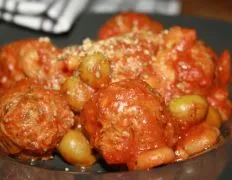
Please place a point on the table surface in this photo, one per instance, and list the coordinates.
(212, 9)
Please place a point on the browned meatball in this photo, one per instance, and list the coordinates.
(183, 65)
(125, 22)
(36, 59)
(33, 120)
(128, 124)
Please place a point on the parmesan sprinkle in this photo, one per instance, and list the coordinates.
(127, 54)
(98, 74)
(66, 169)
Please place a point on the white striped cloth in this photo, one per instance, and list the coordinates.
(57, 16)
(166, 7)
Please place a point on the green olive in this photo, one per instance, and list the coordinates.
(77, 93)
(75, 149)
(213, 117)
(189, 109)
(95, 70)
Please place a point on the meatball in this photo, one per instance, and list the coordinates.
(183, 65)
(126, 22)
(126, 120)
(31, 58)
(33, 120)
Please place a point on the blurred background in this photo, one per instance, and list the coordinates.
(213, 9)
(58, 16)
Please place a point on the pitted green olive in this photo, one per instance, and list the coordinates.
(75, 149)
(77, 93)
(95, 70)
(189, 109)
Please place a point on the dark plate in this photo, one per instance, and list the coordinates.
(215, 164)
